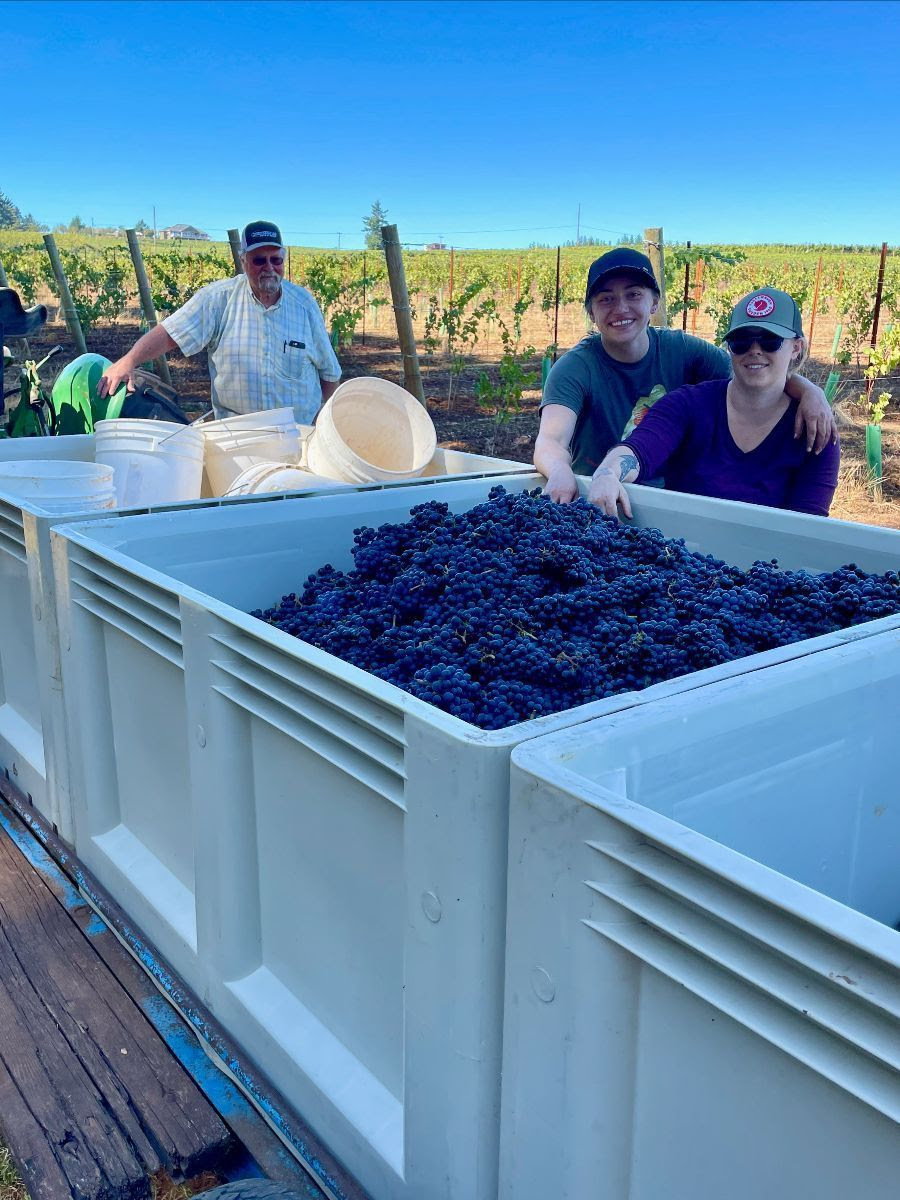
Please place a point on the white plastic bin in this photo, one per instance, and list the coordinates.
(703, 978)
(371, 430)
(320, 854)
(32, 727)
(156, 462)
(236, 443)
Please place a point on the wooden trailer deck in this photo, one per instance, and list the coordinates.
(102, 1084)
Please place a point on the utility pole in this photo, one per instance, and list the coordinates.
(154, 222)
(578, 228)
(339, 242)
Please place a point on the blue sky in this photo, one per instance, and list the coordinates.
(483, 124)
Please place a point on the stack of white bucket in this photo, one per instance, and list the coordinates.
(369, 431)
(59, 486)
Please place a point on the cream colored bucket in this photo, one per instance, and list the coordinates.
(371, 431)
(236, 443)
(276, 477)
(155, 462)
(58, 486)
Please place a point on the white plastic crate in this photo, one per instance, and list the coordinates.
(321, 855)
(703, 978)
(32, 729)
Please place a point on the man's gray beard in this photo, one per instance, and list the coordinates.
(271, 286)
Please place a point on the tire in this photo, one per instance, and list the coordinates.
(254, 1189)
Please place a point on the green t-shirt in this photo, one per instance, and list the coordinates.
(609, 396)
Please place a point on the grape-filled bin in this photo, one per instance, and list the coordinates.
(32, 727)
(320, 854)
(703, 969)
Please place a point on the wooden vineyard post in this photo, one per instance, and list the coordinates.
(654, 242)
(412, 379)
(879, 288)
(147, 306)
(698, 293)
(234, 239)
(815, 304)
(556, 310)
(70, 315)
(687, 284)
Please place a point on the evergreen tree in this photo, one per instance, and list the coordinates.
(10, 217)
(372, 226)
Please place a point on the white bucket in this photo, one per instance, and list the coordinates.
(276, 477)
(236, 443)
(156, 462)
(58, 486)
(371, 430)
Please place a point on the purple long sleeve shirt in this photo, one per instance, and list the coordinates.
(685, 437)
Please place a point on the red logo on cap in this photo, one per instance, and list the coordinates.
(760, 306)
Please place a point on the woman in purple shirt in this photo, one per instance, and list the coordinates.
(733, 439)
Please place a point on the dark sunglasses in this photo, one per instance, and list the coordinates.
(769, 343)
(260, 260)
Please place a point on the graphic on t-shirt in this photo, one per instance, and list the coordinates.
(640, 409)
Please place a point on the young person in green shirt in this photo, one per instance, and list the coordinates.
(598, 391)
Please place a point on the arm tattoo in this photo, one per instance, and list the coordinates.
(626, 464)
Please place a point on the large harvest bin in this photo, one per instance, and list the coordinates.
(703, 978)
(321, 855)
(32, 730)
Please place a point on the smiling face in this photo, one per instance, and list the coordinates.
(758, 367)
(621, 309)
(264, 268)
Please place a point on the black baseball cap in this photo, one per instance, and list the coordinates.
(621, 261)
(260, 233)
(770, 309)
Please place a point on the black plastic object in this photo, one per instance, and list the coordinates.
(152, 400)
(15, 320)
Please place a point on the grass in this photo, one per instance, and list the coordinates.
(161, 1186)
(11, 1186)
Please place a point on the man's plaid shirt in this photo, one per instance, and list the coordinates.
(259, 357)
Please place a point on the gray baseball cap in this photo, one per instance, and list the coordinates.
(768, 308)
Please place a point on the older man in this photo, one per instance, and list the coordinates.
(265, 338)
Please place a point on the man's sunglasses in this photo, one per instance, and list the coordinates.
(260, 260)
(740, 343)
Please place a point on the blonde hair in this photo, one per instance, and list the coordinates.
(797, 363)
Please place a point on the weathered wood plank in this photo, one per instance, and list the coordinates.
(89, 1092)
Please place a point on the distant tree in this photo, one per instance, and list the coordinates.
(29, 221)
(372, 226)
(141, 227)
(10, 217)
(76, 225)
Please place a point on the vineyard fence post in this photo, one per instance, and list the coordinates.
(234, 240)
(654, 241)
(879, 288)
(69, 312)
(815, 304)
(698, 293)
(556, 310)
(147, 305)
(412, 379)
(687, 284)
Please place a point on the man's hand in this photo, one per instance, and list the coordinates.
(117, 373)
(607, 493)
(561, 485)
(814, 418)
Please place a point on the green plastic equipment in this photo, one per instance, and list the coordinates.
(74, 397)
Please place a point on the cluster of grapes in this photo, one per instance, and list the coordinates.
(521, 607)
